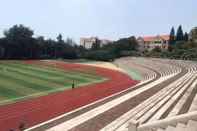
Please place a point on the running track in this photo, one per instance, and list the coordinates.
(37, 110)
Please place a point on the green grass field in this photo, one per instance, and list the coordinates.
(20, 81)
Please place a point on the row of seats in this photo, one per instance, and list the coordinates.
(169, 101)
(190, 126)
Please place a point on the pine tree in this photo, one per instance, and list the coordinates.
(179, 35)
(59, 38)
(172, 36)
(186, 37)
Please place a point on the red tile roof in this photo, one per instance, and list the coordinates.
(148, 38)
(165, 37)
(152, 38)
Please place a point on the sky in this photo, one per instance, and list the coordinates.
(109, 19)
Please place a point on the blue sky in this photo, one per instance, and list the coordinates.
(111, 19)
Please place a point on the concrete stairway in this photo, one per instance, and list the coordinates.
(168, 102)
(190, 126)
(184, 122)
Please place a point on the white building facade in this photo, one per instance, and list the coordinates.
(88, 42)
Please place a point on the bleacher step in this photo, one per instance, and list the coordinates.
(191, 126)
(193, 106)
(170, 128)
(160, 129)
(180, 127)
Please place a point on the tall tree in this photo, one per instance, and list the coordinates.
(70, 41)
(20, 41)
(60, 39)
(179, 35)
(59, 46)
(96, 45)
(186, 37)
(18, 32)
(172, 36)
(42, 46)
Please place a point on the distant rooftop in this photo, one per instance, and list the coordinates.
(152, 38)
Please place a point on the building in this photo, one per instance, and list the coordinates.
(88, 42)
(193, 34)
(151, 42)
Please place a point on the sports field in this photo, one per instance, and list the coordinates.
(21, 80)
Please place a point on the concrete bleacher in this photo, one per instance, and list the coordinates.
(145, 73)
(166, 110)
(194, 104)
(184, 122)
(138, 111)
(166, 103)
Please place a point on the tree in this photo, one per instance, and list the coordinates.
(179, 35)
(133, 43)
(42, 47)
(172, 36)
(18, 32)
(156, 49)
(125, 46)
(50, 47)
(19, 41)
(70, 42)
(96, 45)
(2, 50)
(60, 39)
(186, 37)
(102, 55)
(59, 46)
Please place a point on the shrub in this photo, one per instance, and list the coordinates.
(101, 55)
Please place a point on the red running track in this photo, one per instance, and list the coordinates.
(37, 110)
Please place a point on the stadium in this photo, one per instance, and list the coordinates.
(128, 94)
(98, 65)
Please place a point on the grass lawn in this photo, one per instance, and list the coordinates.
(20, 81)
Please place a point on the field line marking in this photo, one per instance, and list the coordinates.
(56, 118)
(107, 106)
(45, 92)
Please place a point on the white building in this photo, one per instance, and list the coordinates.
(193, 34)
(88, 42)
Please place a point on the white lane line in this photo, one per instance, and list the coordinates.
(61, 116)
(42, 93)
(124, 119)
(92, 113)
